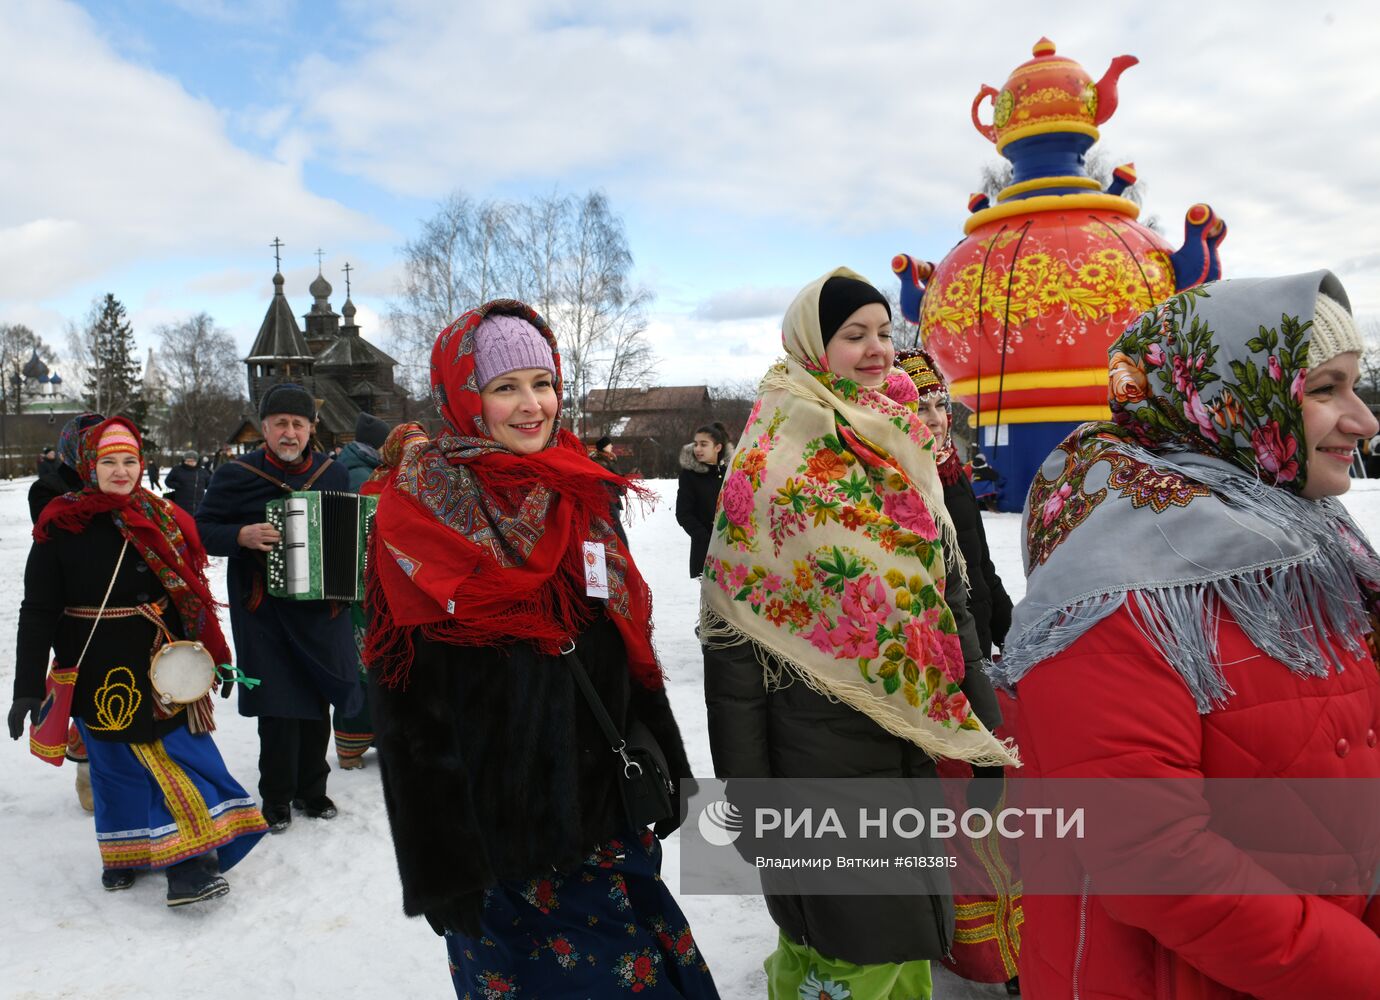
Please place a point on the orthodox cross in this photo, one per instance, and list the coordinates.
(319, 254)
(277, 245)
(347, 269)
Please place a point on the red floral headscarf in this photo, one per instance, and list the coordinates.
(480, 546)
(164, 535)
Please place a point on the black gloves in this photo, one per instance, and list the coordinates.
(459, 915)
(21, 708)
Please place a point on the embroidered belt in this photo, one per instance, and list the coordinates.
(153, 612)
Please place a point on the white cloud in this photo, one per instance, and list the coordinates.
(108, 163)
(713, 352)
(838, 132)
(860, 124)
(748, 302)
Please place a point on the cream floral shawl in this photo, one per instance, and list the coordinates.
(828, 550)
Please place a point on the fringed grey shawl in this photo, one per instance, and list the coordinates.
(1186, 505)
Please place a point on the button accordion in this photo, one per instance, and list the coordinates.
(325, 537)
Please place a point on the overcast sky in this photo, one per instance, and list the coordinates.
(155, 149)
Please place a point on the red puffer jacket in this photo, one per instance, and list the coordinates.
(1111, 706)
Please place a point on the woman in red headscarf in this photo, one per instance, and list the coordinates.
(114, 573)
(493, 555)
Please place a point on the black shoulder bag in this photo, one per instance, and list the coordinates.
(643, 780)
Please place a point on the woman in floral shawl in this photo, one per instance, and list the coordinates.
(1198, 607)
(831, 625)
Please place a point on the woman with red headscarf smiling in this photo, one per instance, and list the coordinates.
(501, 788)
(115, 572)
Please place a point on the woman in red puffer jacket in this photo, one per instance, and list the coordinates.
(1199, 607)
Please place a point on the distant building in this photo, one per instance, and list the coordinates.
(38, 389)
(344, 372)
(649, 425)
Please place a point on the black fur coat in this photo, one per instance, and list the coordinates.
(494, 767)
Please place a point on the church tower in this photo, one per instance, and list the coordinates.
(280, 353)
(322, 322)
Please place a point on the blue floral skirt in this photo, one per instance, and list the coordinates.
(608, 929)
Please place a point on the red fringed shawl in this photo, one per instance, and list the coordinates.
(951, 470)
(162, 533)
(479, 546)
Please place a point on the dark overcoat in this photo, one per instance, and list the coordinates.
(493, 765)
(697, 493)
(188, 484)
(988, 601)
(74, 570)
(794, 732)
(303, 651)
(46, 488)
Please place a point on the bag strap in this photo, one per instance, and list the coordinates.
(278, 482)
(631, 768)
(596, 704)
(104, 601)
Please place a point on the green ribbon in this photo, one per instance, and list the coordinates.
(226, 672)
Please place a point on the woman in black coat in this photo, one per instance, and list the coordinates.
(702, 465)
(94, 595)
(495, 577)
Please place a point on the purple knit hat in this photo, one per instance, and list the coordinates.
(504, 344)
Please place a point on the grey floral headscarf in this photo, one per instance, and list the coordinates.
(1188, 500)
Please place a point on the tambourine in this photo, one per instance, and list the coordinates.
(182, 672)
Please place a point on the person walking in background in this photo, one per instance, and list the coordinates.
(303, 651)
(354, 733)
(188, 483)
(1198, 607)
(603, 455)
(113, 573)
(501, 788)
(48, 463)
(702, 465)
(831, 471)
(151, 460)
(64, 478)
(45, 489)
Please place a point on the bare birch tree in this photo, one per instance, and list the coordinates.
(462, 257)
(567, 257)
(204, 380)
(17, 345)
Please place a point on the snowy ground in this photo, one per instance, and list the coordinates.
(316, 911)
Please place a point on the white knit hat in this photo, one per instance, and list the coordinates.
(1334, 332)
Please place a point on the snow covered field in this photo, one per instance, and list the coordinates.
(316, 911)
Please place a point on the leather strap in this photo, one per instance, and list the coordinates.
(278, 482)
(104, 601)
(596, 705)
